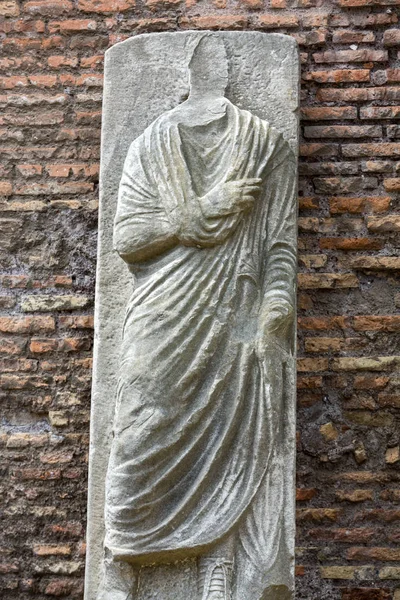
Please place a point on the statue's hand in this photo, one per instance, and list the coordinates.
(274, 321)
(231, 197)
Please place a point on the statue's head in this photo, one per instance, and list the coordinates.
(208, 67)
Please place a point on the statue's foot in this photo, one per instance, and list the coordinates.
(215, 579)
(216, 596)
(119, 581)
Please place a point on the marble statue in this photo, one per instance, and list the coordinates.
(206, 222)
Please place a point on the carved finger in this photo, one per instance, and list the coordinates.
(247, 201)
(251, 181)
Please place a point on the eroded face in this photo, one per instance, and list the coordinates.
(209, 67)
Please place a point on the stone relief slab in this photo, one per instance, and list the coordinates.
(191, 490)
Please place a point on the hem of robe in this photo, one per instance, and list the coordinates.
(161, 557)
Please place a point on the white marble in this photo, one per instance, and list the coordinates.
(194, 396)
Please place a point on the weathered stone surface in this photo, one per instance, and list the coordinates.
(41, 303)
(212, 311)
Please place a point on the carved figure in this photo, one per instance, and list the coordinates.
(206, 221)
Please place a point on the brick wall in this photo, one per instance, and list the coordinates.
(348, 441)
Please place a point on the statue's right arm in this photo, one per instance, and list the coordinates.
(141, 228)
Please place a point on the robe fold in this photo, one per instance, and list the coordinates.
(203, 425)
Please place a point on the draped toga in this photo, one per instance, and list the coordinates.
(204, 424)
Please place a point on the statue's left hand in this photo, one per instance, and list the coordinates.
(274, 321)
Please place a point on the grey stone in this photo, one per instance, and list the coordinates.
(42, 303)
(193, 414)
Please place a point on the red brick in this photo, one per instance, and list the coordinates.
(380, 554)
(277, 21)
(390, 495)
(9, 83)
(323, 344)
(319, 150)
(13, 63)
(39, 189)
(388, 323)
(384, 515)
(214, 22)
(35, 99)
(48, 7)
(364, 3)
(28, 120)
(354, 495)
(12, 345)
(310, 38)
(250, 4)
(393, 75)
(26, 324)
(349, 535)
(349, 56)
(392, 184)
(11, 365)
(314, 20)
(358, 94)
(323, 323)
(27, 282)
(77, 322)
(388, 400)
(350, 244)
(92, 61)
(6, 568)
(374, 204)
(382, 224)
(374, 150)
(22, 26)
(325, 113)
(304, 494)
(327, 280)
(380, 112)
(37, 474)
(105, 6)
(88, 118)
(9, 8)
(391, 37)
(344, 185)
(364, 477)
(27, 170)
(45, 345)
(308, 203)
(90, 80)
(352, 37)
(318, 514)
(309, 365)
(342, 131)
(5, 188)
(71, 529)
(163, 4)
(74, 25)
(378, 263)
(60, 587)
(377, 166)
(309, 383)
(43, 81)
(52, 549)
(59, 62)
(370, 382)
(21, 44)
(56, 457)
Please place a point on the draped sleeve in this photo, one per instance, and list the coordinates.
(280, 258)
(142, 228)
